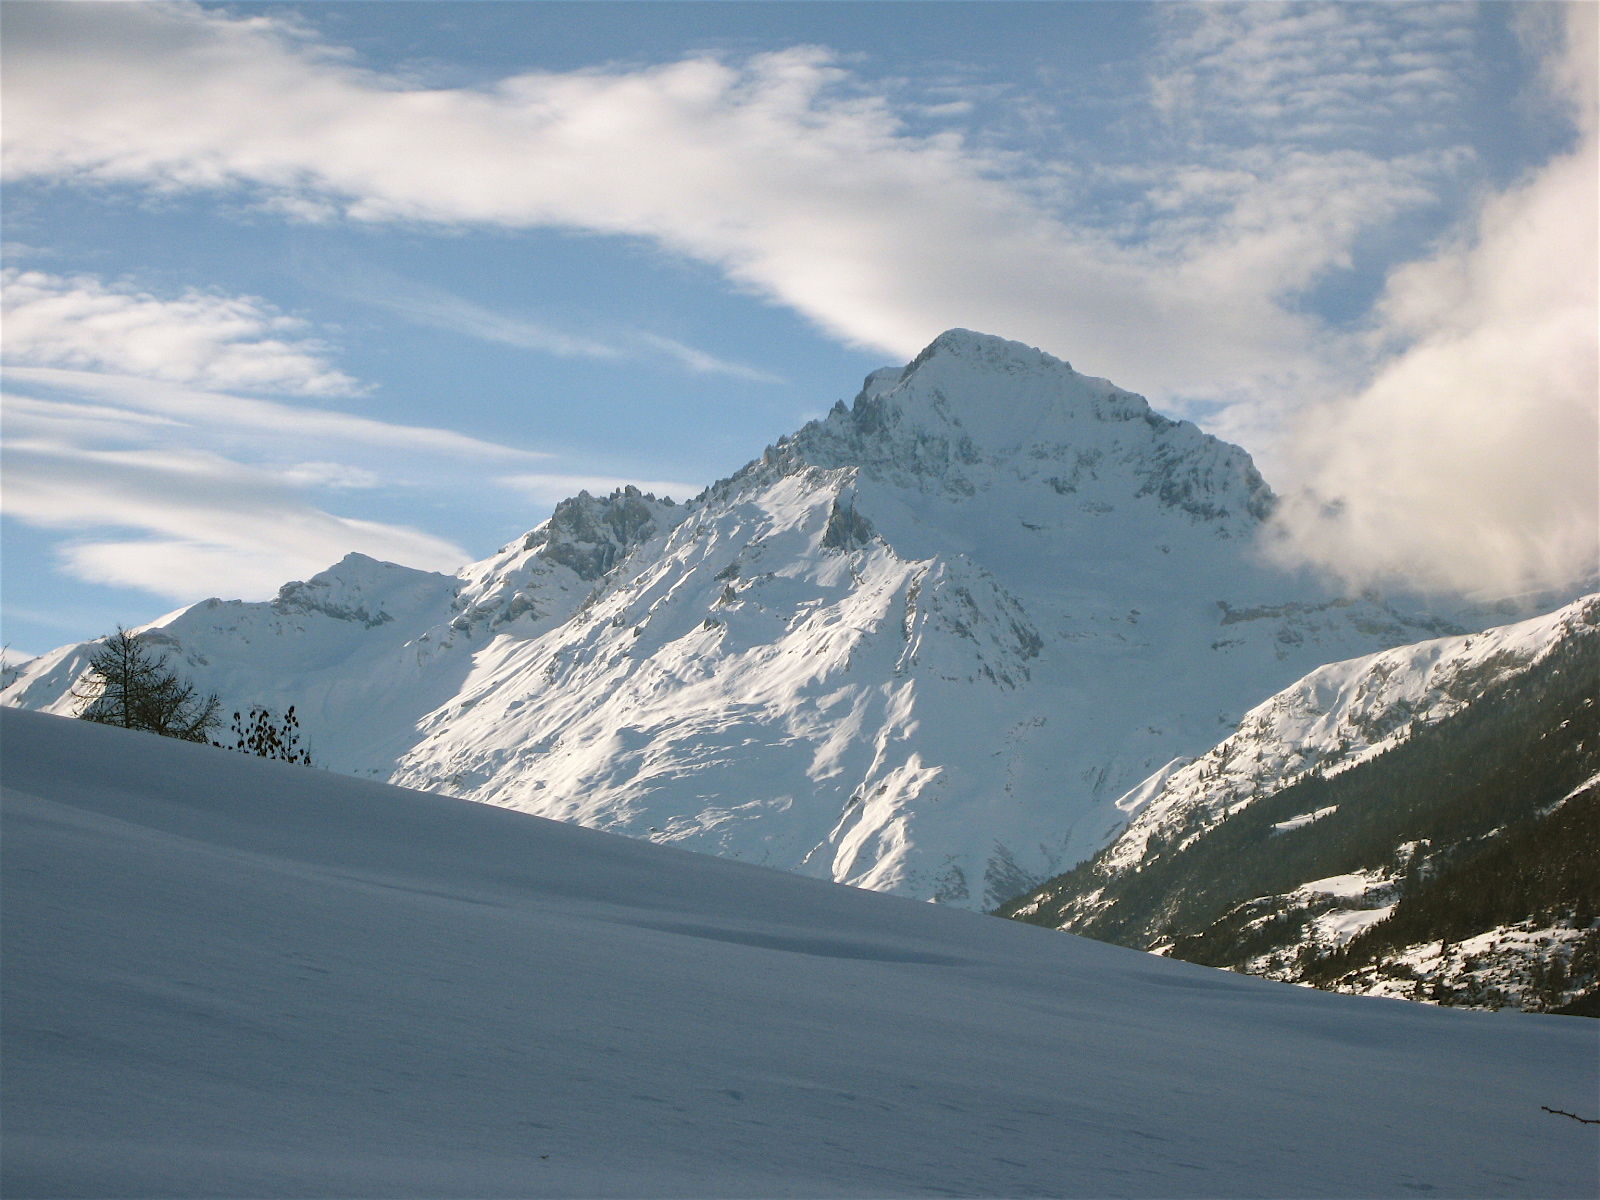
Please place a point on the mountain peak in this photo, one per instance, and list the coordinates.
(964, 348)
(1002, 395)
(983, 348)
(973, 408)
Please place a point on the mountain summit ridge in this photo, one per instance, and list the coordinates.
(921, 645)
(973, 401)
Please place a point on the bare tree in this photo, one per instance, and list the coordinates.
(267, 735)
(9, 671)
(129, 685)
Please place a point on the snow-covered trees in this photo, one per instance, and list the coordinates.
(128, 684)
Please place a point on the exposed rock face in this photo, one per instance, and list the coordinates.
(590, 536)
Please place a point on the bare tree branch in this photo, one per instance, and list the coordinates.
(1581, 1120)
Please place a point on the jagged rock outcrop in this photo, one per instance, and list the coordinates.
(590, 536)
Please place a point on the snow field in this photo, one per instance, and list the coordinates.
(226, 976)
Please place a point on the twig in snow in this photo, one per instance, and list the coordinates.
(1574, 1116)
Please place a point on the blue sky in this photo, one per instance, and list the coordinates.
(288, 280)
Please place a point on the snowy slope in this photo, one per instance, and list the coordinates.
(366, 647)
(921, 646)
(232, 977)
(1439, 792)
(1339, 715)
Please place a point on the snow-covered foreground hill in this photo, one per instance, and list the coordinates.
(921, 645)
(225, 976)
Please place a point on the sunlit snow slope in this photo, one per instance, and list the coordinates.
(225, 976)
(921, 646)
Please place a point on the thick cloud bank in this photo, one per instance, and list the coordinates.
(1470, 459)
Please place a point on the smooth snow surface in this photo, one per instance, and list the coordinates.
(225, 976)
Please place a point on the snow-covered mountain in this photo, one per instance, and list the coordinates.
(231, 977)
(1419, 822)
(923, 645)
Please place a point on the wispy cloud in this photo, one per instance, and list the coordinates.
(183, 491)
(140, 399)
(201, 522)
(425, 305)
(329, 475)
(702, 363)
(197, 338)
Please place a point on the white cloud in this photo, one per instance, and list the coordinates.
(198, 338)
(784, 171)
(206, 523)
(702, 363)
(187, 493)
(441, 310)
(1308, 72)
(432, 306)
(69, 419)
(269, 419)
(329, 475)
(1469, 461)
